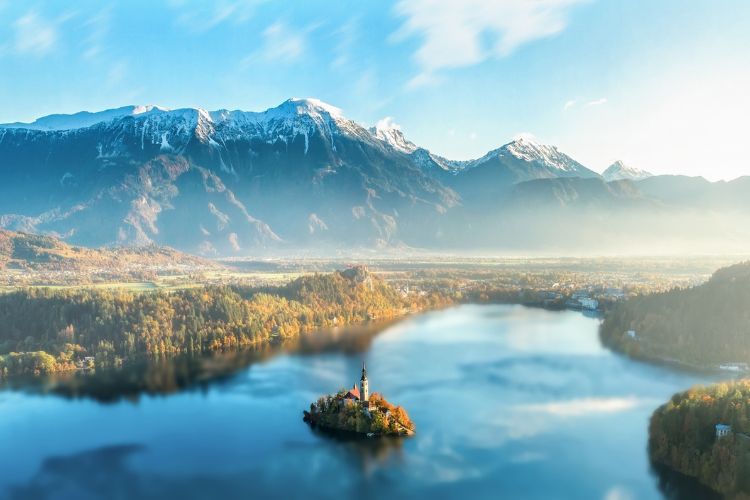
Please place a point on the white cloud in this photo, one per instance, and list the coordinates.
(463, 33)
(585, 406)
(618, 493)
(117, 72)
(387, 123)
(199, 17)
(569, 104)
(34, 34)
(280, 44)
(347, 35)
(596, 102)
(98, 26)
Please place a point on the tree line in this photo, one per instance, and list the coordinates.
(682, 436)
(46, 330)
(704, 326)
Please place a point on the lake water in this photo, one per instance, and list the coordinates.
(509, 402)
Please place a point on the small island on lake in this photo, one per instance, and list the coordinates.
(357, 411)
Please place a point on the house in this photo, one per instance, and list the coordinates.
(723, 430)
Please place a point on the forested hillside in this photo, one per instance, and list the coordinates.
(702, 326)
(682, 436)
(33, 251)
(43, 330)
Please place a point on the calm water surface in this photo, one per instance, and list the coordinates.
(509, 402)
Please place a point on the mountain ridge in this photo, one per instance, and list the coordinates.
(302, 175)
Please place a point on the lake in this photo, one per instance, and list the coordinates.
(509, 402)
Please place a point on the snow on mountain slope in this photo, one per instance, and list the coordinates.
(527, 149)
(171, 131)
(530, 160)
(294, 116)
(390, 133)
(620, 171)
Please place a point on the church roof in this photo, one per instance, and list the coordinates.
(352, 393)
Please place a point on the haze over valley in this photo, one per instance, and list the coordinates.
(301, 177)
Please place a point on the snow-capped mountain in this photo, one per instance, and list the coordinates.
(82, 119)
(215, 181)
(619, 171)
(390, 133)
(548, 160)
(298, 175)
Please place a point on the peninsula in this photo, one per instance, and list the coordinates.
(702, 327)
(703, 433)
(357, 411)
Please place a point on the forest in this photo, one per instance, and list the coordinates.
(45, 330)
(701, 326)
(682, 436)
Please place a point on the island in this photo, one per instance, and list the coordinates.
(704, 433)
(355, 411)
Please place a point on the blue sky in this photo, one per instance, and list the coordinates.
(662, 85)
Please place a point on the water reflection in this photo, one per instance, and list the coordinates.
(509, 402)
(368, 454)
(163, 375)
(89, 474)
(676, 486)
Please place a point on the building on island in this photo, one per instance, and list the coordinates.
(364, 390)
(352, 394)
(723, 430)
(361, 393)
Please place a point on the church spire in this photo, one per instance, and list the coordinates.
(364, 386)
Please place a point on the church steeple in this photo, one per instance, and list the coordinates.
(364, 386)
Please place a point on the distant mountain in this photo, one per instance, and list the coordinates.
(301, 176)
(82, 119)
(518, 161)
(618, 171)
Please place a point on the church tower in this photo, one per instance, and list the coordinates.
(364, 387)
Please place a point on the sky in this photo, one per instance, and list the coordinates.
(662, 85)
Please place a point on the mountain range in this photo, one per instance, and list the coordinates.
(303, 177)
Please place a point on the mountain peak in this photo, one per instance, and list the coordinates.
(309, 105)
(527, 148)
(388, 131)
(619, 170)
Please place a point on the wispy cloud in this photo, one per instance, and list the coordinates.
(347, 35)
(463, 33)
(596, 102)
(117, 72)
(200, 17)
(281, 44)
(569, 104)
(34, 34)
(98, 26)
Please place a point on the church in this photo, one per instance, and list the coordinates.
(362, 393)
